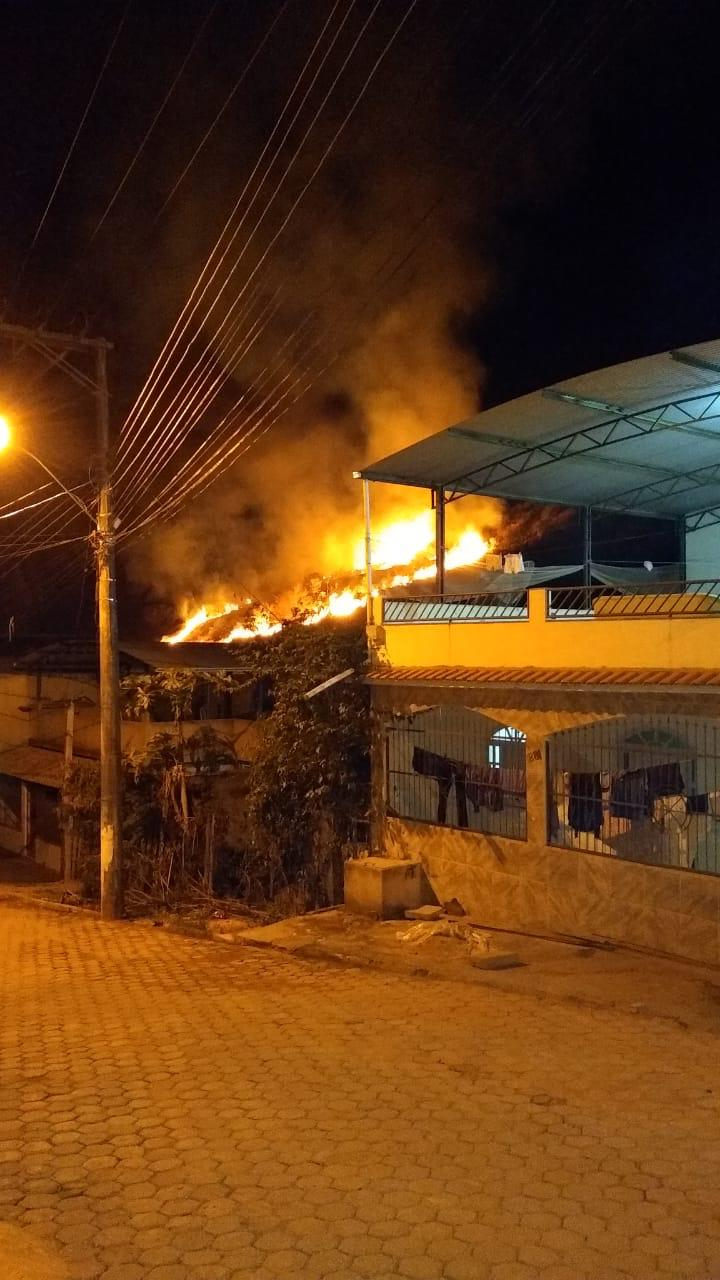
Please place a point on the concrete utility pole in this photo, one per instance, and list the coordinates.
(55, 348)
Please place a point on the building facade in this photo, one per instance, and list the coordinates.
(49, 714)
(552, 755)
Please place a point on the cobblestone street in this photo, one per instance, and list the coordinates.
(176, 1110)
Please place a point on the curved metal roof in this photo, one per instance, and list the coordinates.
(641, 437)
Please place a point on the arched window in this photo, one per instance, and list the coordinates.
(641, 788)
(455, 767)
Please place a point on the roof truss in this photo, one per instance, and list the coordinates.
(679, 415)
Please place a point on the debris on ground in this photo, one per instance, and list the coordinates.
(480, 945)
(424, 913)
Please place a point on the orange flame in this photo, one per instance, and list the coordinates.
(206, 613)
(397, 546)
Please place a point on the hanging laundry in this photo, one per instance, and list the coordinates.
(697, 804)
(585, 808)
(461, 798)
(430, 765)
(664, 780)
(629, 796)
(445, 772)
(484, 787)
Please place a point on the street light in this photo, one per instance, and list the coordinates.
(6, 440)
(102, 535)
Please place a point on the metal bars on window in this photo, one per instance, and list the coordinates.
(644, 789)
(455, 767)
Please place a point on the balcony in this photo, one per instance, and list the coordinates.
(672, 625)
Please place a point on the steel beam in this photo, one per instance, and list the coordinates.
(580, 442)
(667, 487)
(702, 519)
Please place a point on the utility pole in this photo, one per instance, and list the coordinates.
(56, 348)
(111, 895)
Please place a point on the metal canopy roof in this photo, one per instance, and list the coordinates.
(641, 437)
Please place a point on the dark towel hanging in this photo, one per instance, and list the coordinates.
(585, 810)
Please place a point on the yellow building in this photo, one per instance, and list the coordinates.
(551, 752)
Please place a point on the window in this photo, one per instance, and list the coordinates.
(455, 767)
(646, 789)
(506, 734)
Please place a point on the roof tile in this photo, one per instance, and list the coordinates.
(640, 677)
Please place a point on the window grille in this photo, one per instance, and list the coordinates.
(646, 789)
(455, 767)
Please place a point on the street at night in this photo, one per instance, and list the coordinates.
(173, 1109)
(359, 635)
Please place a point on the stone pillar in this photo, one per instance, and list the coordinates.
(537, 792)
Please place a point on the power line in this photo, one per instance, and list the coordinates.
(208, 132)
(74, 142)
(328, 149)
(151, 127)
(202, 284)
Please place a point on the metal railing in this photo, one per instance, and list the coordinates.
(700, 598)
(454, 767)
(643, 789)
(488, 606)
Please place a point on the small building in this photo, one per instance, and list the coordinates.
(551, 753)
(49, 707)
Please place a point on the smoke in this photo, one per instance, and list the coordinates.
(388, 326)
(292, 509)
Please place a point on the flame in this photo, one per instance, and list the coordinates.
(206, 613)
(398, 543)
(470, 548)
(262, 625)
(404, 545)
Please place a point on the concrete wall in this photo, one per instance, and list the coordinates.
(18, 726)
(531, 886)
(21, 696)
(702, 553)
(593, 642)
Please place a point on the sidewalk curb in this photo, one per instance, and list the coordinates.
(11, 898)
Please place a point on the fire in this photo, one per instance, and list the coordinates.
(398, 543)
(406, 546)
(262, 625)
(206, 613)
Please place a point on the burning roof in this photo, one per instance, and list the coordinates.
(403, 553)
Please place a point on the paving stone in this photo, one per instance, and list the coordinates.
(205, 1115)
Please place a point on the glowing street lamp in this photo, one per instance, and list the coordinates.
(56, 346)
(6, 440)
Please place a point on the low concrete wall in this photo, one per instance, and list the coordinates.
(538, 642)
(511, 884)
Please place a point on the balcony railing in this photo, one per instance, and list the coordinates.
(663, 599)
(491, 606)
(700, 598)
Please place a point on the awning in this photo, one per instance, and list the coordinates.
(639, 437)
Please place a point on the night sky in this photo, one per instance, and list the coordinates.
(559, 157)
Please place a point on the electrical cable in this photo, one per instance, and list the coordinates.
(151, 127)
(548, 8)
(191, 306)
(238, 84)
(73, 144)
(328, 149)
